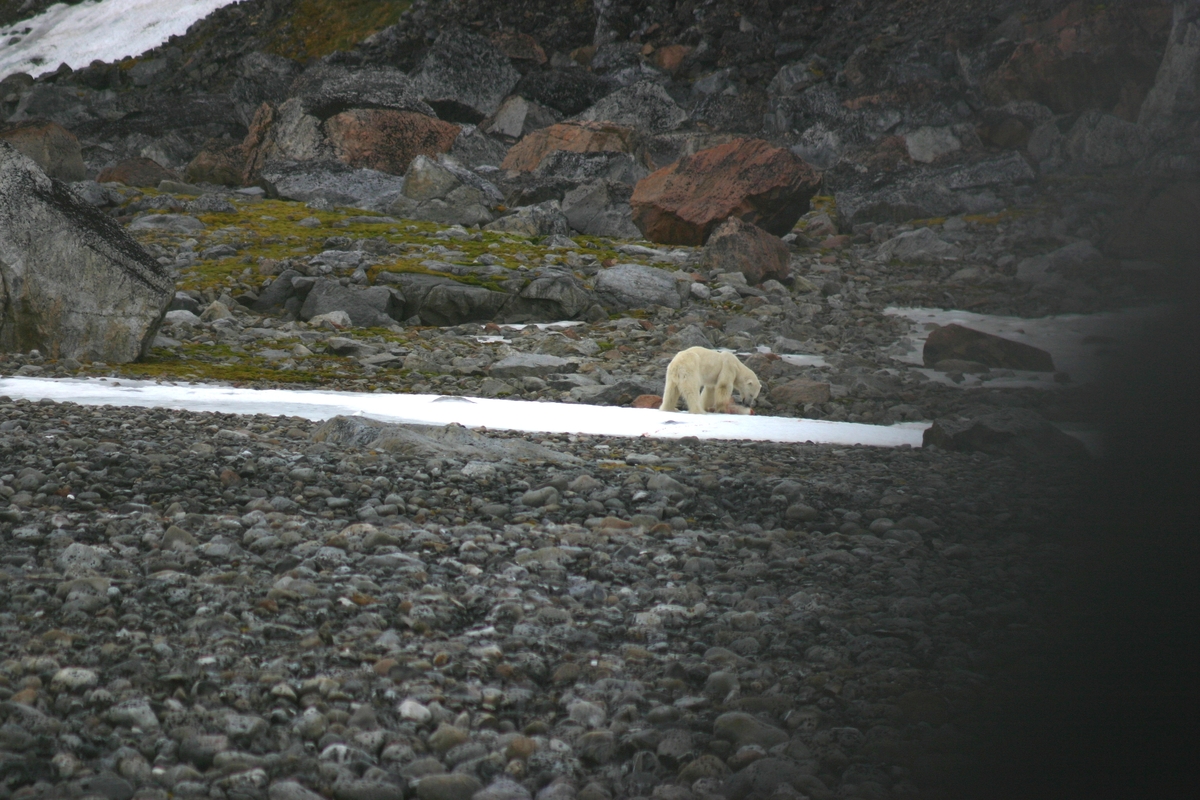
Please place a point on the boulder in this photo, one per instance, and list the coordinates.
(51, 146)
(924, 193)
(438, 300)
(326, 90)
(659, 150)
(464, 76)
(441, 191)
(543, 219)
(551, 296)
(261, 78)
(375, 306)
(136, 172)
(519, 117)
(278, 292)
(473, 148)
(575, 137)
(800, 392)
(732, 113)
(644, 106)
(921, 244)
(738, 246)
(218, 162)
(1173, 102)
(1160, 225)
(564, 165)
(954, 341)
(387, 140)
(567, 91)
(75, 285)
(167, 223)
(601, 208)
(523, 365)
(1098, 140)
(637, 286)
(746, 178)
(332, 181)
(927, 144)
(1008, 431)
(1072, 258)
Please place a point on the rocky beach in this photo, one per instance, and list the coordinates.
(910, 213)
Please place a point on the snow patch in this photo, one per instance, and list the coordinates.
(107, 31)
(472, 412)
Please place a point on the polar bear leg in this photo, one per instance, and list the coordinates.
(691, 393)
(670, 400)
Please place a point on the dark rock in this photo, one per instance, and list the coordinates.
(600, 208)
(463, 76)
(955, 341)
(375, 306)
(326, 90)
(333, 182)
(1010, 431)
(568, 91)
(644, 106)
(262, 78)
(932, 192)
(136, 172)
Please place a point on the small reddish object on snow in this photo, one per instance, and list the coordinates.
(647, 401)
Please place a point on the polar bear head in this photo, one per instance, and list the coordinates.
(747, 384)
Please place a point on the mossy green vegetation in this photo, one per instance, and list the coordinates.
(317, 28)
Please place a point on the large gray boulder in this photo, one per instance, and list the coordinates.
(959, 189)
(553, 295)
(437, 300)
(332, 182)
(376, 306)
(324, 90)
(543, 219)
(75, 285)
(637, 286)
(464, 76)
(262, 78)
(601, 208)
(645, 106)
(1098, 140)
(442, 191)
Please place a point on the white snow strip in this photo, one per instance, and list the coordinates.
(1082, 345)
(108, 31)
(472, 412)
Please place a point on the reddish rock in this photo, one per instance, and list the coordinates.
(574, 137)
(647, 401)
(956, 342)
(218, 162)
(519, 46)
(51, 146)
(1160, 225)
(670, 57)
(137, 172)
(387, 140)
(1085, 57)
(252, 145)
(747, 178)
(799, 392)
(737, 246)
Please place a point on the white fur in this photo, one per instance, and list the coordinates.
(706, 379)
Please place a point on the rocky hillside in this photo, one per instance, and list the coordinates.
(546, 201)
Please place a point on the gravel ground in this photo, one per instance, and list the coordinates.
(204, 605)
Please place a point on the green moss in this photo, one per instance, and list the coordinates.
(317, 28)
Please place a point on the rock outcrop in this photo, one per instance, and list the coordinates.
(75, 285)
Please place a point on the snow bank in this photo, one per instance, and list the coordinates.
(108, 31)
(472, 412)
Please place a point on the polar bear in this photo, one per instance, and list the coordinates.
(714, 373)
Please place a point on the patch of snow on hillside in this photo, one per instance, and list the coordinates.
(107, 30)
(471, 412)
